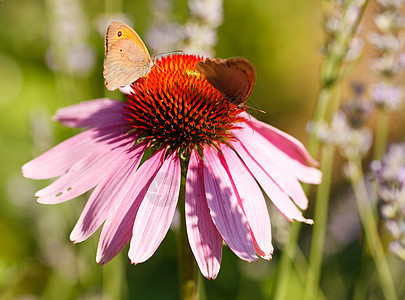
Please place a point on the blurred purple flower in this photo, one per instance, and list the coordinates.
(387, 97)
(390, 176)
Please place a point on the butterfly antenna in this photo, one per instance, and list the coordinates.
(154, 56)
(173, 51)
(256, 109)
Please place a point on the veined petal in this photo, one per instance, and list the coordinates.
(86, 173)
(156, 211)
(296, 167)
(60, 158)
(276, 194)
(105, 195)
(93, 113)
(285, 142)
(224, 208)
(279, 170)
(204, 238)
(253, 203)
(117, 230)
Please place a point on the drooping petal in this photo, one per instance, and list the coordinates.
(93, 113)
(280, 170)
(60, 158)
(86, 173)
(224, 208)
(156, 212)
(296, 167)
(254, 205)
(105, 195)
(285, 142)
(117, 229)
(276, 194)
(204, 238)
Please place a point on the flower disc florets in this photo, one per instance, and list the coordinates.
(174, 106)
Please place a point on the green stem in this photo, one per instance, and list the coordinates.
(284, 266)
(291, 253)
(280, 288)
(370, 228)
(330, 75)
(331, 68)
(363, 274)
(381, 136)
(324, 99)
(187, 267)
(331, 72)
(319, 227)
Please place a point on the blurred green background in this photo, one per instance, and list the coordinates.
(38, 74)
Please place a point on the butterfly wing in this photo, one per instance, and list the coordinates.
(125, 62)
(117, 31)
(234, 78)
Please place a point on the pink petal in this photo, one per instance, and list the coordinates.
(278, 168)
(86, 173)
(254, 141)
(253, 203)
(60, 158)
(204, 238)
(93, 113)
(276, 194)
(224, 208)
(156, 211)
(117, 229)
(104, 197)
(285, 142)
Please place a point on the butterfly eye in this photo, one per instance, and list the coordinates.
(119, 33)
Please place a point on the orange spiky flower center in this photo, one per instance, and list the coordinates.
(174, 106)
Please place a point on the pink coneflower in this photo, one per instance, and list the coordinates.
(190, 130)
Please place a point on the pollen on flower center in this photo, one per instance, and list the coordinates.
(175, 106)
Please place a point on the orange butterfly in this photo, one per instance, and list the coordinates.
(126, 57)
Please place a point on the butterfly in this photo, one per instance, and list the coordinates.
(126, 57)
(234, 78)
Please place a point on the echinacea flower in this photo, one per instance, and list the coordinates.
(226, 156)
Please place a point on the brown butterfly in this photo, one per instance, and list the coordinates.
(126, 57)
(234, 78)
